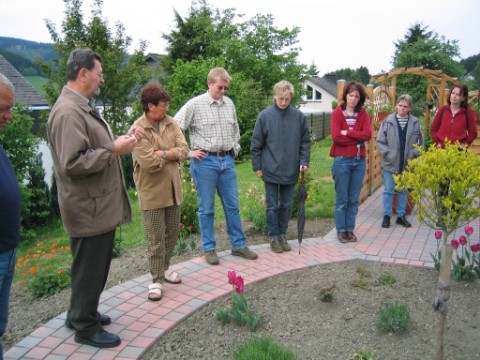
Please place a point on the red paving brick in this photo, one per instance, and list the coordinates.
(141, 323)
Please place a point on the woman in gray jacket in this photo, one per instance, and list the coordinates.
(280, 150)
(398, 134)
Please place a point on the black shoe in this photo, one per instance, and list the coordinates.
(104, 320)
(403, 221)
(101, 339)
(386, 222)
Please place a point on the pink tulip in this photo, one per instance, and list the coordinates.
(231, 277)
(475, 247)
(455, 243)
(462, 240)
(438, 234)
(239, 285)
(468, 230)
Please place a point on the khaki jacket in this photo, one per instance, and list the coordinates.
(158, 181)
(91, 190)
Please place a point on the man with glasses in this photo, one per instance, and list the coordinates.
(91, 191)
(211, 120)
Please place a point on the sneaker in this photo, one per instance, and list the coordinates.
(275, 245)
(211, 257)
(285, 245)
(245, 253)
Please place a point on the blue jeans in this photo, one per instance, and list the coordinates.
(388, 190)
(279, 199)
(348, 174)
(7, 270)
(217, 174)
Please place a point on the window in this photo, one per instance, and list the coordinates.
(313, 94)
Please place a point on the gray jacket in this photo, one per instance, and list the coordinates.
(280, 144)
(388, 142)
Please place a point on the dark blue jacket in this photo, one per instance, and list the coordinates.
(9, 204)
(280, 144)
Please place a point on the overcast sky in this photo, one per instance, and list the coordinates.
(334, 34)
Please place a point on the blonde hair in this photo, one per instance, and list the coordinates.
(283, 87)
(218, 73)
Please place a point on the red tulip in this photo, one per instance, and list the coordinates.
(438, 234)
(462, 240)
(231, 277)
(239, 285)
(475, 247)
(468, 230)
(455, 243)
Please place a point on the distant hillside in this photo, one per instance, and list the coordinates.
(21, 54)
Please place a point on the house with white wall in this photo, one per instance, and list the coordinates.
(320, 92)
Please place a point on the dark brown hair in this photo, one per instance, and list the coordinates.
(464, 92)
(350, 87)
(153, 93)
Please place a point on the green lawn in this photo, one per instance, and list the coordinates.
(50, 249)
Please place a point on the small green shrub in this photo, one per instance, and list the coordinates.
(117, 243)
(360, 283)
(364, 354)
(263, 348)
(255, 208)
(387, 279)
(49, 281)
(326, 295)
(189, 215)
(185, 238)
(363, 272)
(394, 317)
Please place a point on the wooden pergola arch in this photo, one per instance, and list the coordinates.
(438, 85)
(383, 90)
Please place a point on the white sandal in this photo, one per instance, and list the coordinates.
(154, 292)
(172, 277)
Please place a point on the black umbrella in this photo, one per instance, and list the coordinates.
(302, 195)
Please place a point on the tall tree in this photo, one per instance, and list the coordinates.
(255, 53)
(422, 48)
(124, 74)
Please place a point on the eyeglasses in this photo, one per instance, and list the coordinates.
(164, 105)
(220, 88)
(100, 75)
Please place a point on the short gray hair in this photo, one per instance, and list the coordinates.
(79, 59)
(407, 98)
(4, 81)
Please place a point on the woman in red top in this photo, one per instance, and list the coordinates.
(455, 121)
(350, 129)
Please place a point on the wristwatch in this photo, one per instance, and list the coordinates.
(164, 154)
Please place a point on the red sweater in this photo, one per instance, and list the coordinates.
(346, 145)
(445, 126)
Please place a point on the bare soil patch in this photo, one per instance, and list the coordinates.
(291, 311)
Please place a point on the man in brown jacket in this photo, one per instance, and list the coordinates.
(92, 196)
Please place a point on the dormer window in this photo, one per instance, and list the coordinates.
(313, 94)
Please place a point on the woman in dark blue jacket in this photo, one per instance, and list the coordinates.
(280, 150)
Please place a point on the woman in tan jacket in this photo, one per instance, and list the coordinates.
(156, 174)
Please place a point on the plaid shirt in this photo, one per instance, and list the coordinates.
(212, 124)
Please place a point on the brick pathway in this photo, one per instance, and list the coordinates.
(141, 323)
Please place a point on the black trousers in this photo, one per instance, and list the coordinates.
(91, 263)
